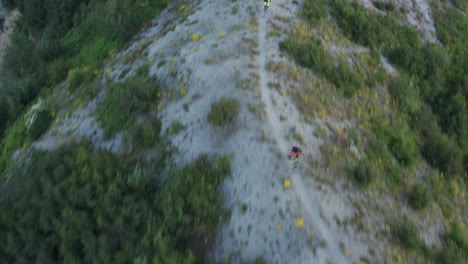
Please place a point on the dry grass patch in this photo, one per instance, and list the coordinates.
(330, 32)
(275, 66)
(258, 110)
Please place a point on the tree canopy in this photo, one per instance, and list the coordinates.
(73, 205)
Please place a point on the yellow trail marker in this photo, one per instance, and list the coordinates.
(278, 227)
(300, 222)
(287, 183)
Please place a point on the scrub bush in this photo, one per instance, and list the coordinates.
(223, 111)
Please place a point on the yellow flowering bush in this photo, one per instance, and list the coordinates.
(222, 34)
(195, 37)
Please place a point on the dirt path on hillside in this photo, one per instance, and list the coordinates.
(212, 50)
(312, 215)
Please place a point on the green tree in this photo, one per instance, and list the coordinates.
(442, 153)
(74, 205)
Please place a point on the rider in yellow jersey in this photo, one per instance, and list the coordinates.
(266, 4)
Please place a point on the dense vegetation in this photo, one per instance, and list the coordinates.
(58, 40)
(432, 91)
(309, 52)
(429, 112)
(76, 204)
(454, 248)
(73, 205)
(56, 36)
(125, 101)
(436, 75)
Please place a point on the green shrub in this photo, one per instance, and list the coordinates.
(453, 113)
(75, 81)
(423, 120)
(374, 70)
(400, 142)
(394, 174)
(199, 182)
(455, 247)
(463, 5)
(436, 63)
(79, 77)
(405, 232)
(314, 10)
(459, 236)
(90, 90)
(369, 29)
(345, 78)
(146, 134)
(419, 197)
(40, 124)
(175, 128)
(125, 101)
(442, 153)
(427, 66)
(223, 111)
(451, 26)
(92, 54)
(143, 70)
(364, 173)
(451, 254)
(58, 69)
(310, 53)
(15, 137)
(406, 93)
(385, 5)
(409, 58)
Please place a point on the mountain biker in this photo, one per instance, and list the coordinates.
(295, 153)
(266, 4)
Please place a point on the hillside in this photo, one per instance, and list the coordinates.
(159, 132)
